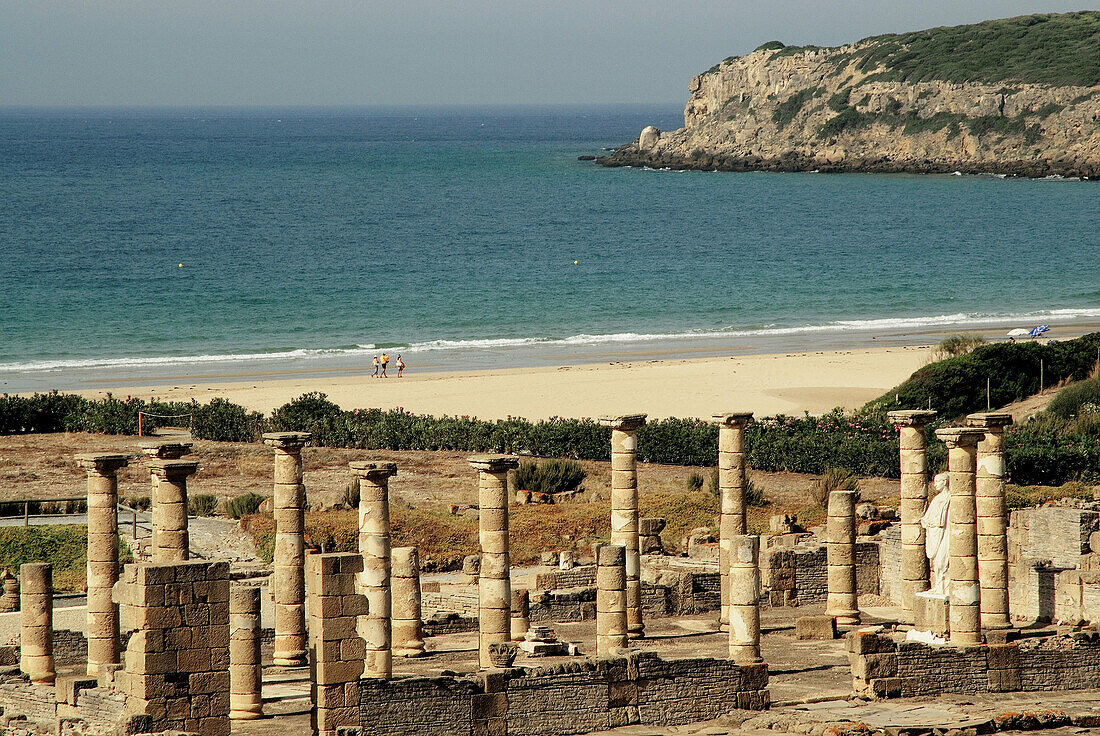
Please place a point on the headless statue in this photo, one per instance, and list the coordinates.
(936, 537)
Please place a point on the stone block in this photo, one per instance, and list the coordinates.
(754, 676)
(1004, 681)
(886, 687)
(874, 666)
(621, 694)
(1003, 656)
(815, 627)
(492, 705)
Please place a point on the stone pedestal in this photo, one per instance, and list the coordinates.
(337, 652)
(521, 613)
(494, 584)
(964, 591)
(170, 539)
(840, 551)
(245, 672)
(744, 599)
(374, 546)
(731, 489)
(992, 518)
(36, 622)
(624, 510)
(930, 613)
(289, 575)
(166, 451)
(914, 500)
(103, 631)
(408, 629)
(611, 622)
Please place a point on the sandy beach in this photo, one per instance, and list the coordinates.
(788, 383)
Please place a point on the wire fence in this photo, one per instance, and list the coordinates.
(143, 414)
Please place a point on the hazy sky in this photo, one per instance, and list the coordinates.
(367, 52)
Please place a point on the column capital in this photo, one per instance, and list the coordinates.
(493, 463)
(104, 463)
(173, 469)
(373, 469)
(286, 440)
(733, 418)
(911, 417)
(994, 420)
(623, 422)
(955, 437)
(167, 450)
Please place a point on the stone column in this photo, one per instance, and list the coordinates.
(731, 488)
(103, 633)
(374, 546)
(166, 451)
(521, 613)
(611, 625)
(992, 518)
(408, 629)
(170, 540)
(494, 584)
(744, 600)
(624, 510)
(36, 622)
(964, 591)
(840, 553)
(289, 579)
(245, 673)
(914, 499)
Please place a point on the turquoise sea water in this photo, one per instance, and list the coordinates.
(450, 235)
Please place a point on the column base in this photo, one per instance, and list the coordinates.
(995, 622)
(745, 655)
(635, 634)
(411, 651)
(284, 659)
(723, 626)
(845, 618)
(246, 715)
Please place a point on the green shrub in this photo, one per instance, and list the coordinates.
(957, 386)
(834, 479)
(224, 421)
(695, 481)
(1068, 403)
(204, 504)
(549, 476)
(238, 506)
(1021, 497)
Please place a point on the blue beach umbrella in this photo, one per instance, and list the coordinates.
(1039, 330)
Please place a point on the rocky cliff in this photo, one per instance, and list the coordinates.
(1019, 96)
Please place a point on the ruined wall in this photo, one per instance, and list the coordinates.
(582, 576)
(100, 710)
(889, 564)
(797, 576)
(885, 667)
(565, 699)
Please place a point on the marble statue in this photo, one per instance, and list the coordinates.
(936, 540)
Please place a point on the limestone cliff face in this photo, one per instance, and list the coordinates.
(817, 109)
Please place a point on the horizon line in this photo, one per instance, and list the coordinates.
(323, 106)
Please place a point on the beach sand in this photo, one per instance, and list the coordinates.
(789, 383)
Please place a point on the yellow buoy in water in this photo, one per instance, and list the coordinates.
(181, 265)
(575, 262)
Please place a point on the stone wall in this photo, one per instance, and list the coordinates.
(797, 576)
(99, 710)
(889, 564)
(884, 666)
(1054, 535)
(582, 576)
(565, 699)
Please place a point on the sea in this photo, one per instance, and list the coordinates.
(150, 245)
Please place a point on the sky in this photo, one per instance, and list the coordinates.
(417, 52)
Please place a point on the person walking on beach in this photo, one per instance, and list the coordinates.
(374, 364)
(385, 362)
(400, 366)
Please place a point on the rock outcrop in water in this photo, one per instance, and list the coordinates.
(1019, 96)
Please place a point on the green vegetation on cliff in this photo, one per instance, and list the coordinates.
(1058, 49)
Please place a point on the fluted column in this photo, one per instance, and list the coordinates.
(245, 671)
(36, 622)
(611, 625)
(494, 584)
(731, 489)
(170, 539)
(744, 600)
(103, 632)
(914, 500)
(964, 591)
(840, 551)
(290, 527)
(408, 628)
(992, 518)
(624, 510)
(374, 546)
